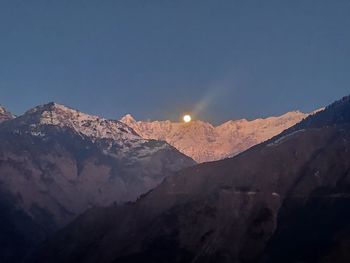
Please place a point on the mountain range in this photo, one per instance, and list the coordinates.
(204, 142)
(284, 200)
(80, 188)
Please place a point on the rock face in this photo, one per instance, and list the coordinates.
(56, 162)
(285, 200)
(204, 142)
(5, 115)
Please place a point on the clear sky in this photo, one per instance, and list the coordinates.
(158, 58)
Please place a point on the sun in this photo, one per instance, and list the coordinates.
(187, 118)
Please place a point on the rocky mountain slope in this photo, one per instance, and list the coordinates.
(4, 114)
(204, 142)
(55, 162)
(285, 200)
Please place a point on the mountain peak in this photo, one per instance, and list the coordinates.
(51, 106)
(4, 114)
(2, 109)
(128, 118)
(89, 125)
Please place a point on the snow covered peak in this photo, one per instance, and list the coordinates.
(2, 110)
(4, 114)
(52, 107)
(82, 123)
(128, 118)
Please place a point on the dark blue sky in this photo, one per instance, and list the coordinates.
(157, 58)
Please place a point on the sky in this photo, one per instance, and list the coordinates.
(158, 59)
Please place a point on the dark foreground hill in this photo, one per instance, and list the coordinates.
(286, 200)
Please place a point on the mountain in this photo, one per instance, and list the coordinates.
(4, 114)
(204, 142)
(56, 162)
(285, 200)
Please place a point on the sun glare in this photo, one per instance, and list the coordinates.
(187, 118)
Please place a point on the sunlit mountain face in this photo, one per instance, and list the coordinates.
(204, 142)
(284, 200)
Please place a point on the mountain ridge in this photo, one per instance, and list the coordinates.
(205, 142)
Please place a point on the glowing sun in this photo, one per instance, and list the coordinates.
(187, 118)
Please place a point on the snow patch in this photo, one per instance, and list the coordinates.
(284, 138)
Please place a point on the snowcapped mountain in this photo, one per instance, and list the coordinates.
(56, 162)
(91, 126)
(90, 160)
(204, 142)
(4, 114)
